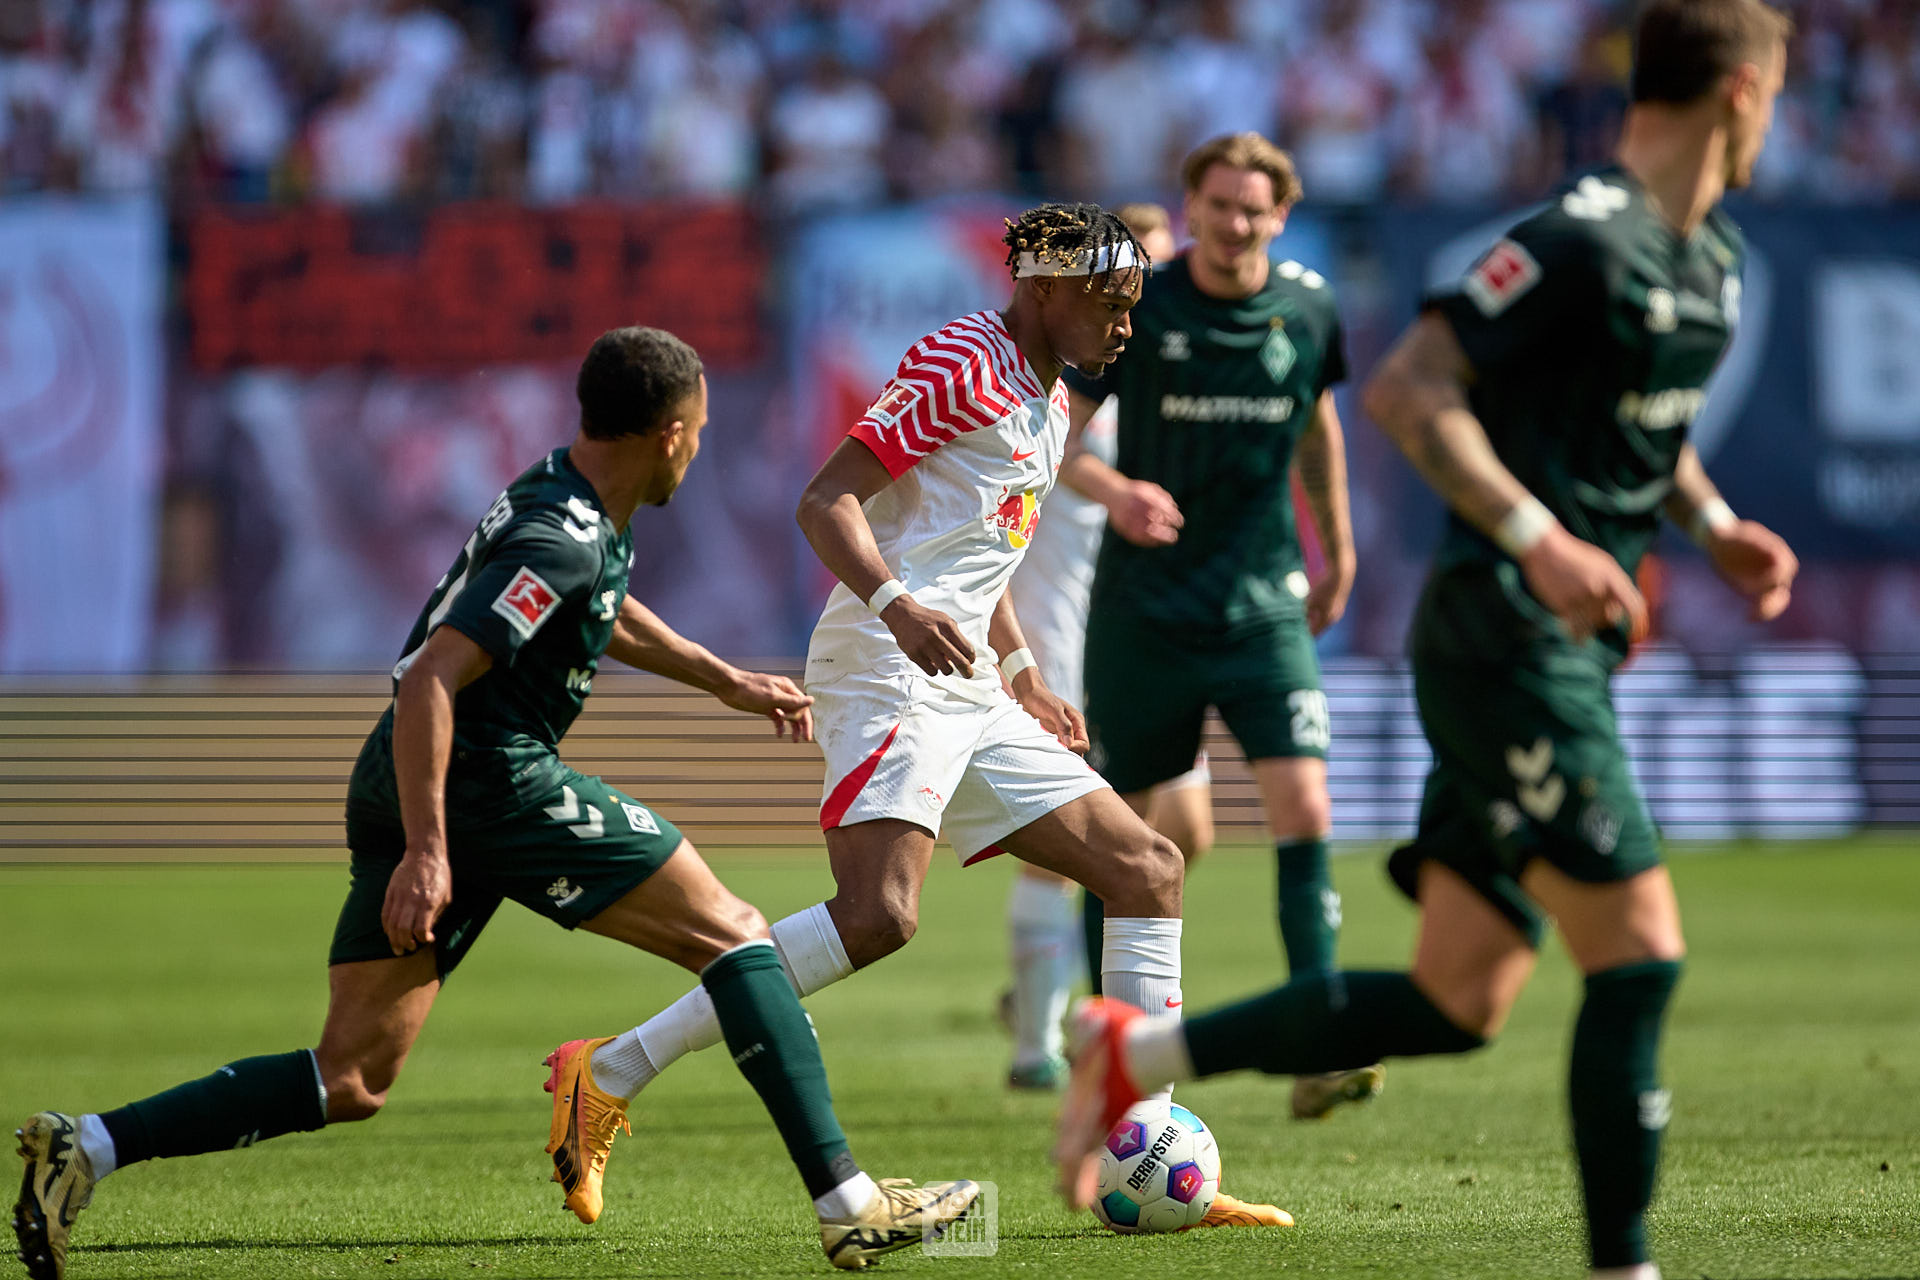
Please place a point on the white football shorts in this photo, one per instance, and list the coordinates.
(974, 770)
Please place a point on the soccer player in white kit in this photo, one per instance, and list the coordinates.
(923, 513)
(1050, 593)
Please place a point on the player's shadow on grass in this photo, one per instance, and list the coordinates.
(340, 1246)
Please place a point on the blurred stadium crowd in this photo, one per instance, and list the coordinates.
(815, 105)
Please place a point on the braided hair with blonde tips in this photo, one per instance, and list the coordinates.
(1059, 234)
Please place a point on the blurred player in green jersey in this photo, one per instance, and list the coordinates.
(1201, 596)
(1050, 593)
(459, 800)
(1547, 398)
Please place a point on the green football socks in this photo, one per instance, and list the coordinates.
(1309, 908)
(773, 1044)
(1619, 1109)
(1326, 1021)
(242, 1103)
(1093, 923)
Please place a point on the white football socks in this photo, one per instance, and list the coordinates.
(847, 1199)
(809, 947)
(1140, 964)
(810, 951)
(1043, 919)
(97, 1145)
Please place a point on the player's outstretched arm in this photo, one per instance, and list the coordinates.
(1140, 511)
(1321, 461)
(831, 516)
(1056, 715)
(1748, 556)
(422, 884)
(642, 640)
(1418, 396)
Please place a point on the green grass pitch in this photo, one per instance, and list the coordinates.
(1793, 1055)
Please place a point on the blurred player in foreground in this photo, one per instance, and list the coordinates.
(1050, 594)
(923, 512)
(1201, 597)
(1547, 399)
(459, 800)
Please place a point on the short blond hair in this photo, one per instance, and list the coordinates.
(1143, 217)
(1244, 151)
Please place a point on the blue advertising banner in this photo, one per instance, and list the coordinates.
(1814, 417)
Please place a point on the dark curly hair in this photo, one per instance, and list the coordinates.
(632, 380)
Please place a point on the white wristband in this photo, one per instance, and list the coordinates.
(1016, 662)
(1714, 516)
(1522, 528)
(885, 594)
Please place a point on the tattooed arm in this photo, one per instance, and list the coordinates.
(1418, 395)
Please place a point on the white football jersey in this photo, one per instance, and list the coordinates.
(972, 442)
(1054, 588)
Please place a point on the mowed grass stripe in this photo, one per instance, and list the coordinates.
(1793, 1056)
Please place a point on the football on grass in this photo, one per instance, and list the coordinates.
(1159, 1170)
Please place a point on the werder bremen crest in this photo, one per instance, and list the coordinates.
(1276, 353)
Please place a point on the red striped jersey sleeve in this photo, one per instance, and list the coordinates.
(954, 380)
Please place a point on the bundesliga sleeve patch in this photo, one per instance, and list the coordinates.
(1503, 275)
(527, 602)
(893, 402)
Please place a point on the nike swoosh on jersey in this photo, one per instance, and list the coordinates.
(1022, 457)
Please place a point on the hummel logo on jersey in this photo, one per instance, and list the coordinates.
(588, 526)
(1291, 270)
(1661, 314)
(609, 605)
(1176, 345)
(1539, 791)
(527, 602)
(1593, 200)
(563, 893)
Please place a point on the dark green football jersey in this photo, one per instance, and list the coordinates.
(538, 586)
(1214, 393)
(1592, 329)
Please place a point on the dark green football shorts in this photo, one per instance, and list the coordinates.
(1149, 686)
(1527, 763)
(568, 859)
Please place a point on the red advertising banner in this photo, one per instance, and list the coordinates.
(464, 285)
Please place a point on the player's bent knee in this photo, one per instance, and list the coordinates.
(746, 924)
(1145, 880)
(868, 935)
(1476, 1014)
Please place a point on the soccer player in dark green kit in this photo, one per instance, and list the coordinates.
(1201, 596)
(1547, 399)
(459, 800)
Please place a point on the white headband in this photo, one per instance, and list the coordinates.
(1113, 257)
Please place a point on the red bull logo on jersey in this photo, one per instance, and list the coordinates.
(1017, 514)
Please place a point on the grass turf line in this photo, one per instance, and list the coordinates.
(1794, 1057)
